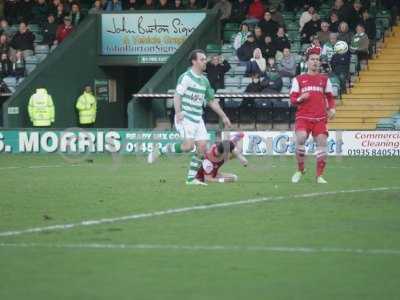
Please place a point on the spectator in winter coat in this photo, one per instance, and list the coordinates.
(340, 64)
(49, 31)
(268, 49)
(76, 14)
(281, 41)
(23, 41)
(334, 22)
(245, 52)
(216, 69)
(268, 26)
(355, 15)
(310, 29)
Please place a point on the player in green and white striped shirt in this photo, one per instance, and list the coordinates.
(193, 91)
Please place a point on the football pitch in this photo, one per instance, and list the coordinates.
(109, 227)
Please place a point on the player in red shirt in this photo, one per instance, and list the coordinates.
(312, 94)
(215, 157)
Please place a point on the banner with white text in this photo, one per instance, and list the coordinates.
(78, 141)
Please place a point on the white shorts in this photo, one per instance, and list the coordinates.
(189, 130)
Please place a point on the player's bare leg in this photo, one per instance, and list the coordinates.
(195, 163)
(301, 138)
(321, 156)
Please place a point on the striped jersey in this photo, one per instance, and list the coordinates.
(195, 91)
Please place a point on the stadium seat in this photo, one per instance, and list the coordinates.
(42, 49)
(232, 81)
(263, 109)
(280, 112)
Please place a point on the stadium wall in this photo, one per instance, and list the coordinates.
(65, 71)
(144, 113)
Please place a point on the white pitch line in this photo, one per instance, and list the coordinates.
(210, 248)
(38, 166)
(185, 210)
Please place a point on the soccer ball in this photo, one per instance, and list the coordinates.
(341, 47)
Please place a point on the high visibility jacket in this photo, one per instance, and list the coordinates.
(87, 107)
(41, 108)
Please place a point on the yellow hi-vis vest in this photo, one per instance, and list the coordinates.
(87, 106)
(41, 108)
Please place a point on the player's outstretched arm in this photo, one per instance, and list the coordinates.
(214, 104)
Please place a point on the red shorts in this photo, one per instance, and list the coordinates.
(316, 127)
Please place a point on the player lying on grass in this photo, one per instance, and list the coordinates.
(218, 154)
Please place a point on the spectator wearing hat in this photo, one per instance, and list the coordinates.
(49, 31)
(268, 26)
(64, 30)
(245, 52)
(22, 41)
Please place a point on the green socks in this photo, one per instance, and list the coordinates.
(194, 166)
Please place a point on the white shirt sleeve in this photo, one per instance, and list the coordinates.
(329, 88)
(295, 86)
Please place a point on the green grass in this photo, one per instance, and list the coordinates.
(113, 187)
